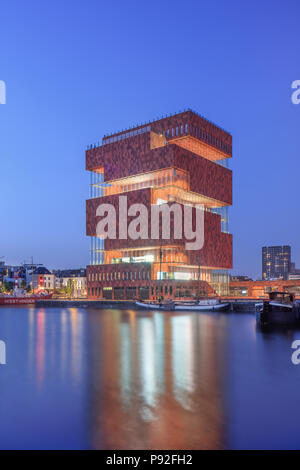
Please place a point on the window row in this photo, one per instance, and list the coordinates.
(117, 275)
(210, 139)
(131, 292)
(179, 130)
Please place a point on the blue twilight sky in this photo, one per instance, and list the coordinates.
(76, 70)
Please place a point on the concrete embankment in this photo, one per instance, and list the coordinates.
(85, 303)
(243, 305)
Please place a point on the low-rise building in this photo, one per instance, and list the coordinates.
(42, 279)
(12, 274)
(240, 278)
(72, 279)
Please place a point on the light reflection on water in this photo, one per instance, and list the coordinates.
(113, 379)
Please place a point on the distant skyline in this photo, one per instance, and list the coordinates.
(75, 71)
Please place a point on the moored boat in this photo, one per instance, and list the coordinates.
(22, 300)
(280, 308)
(198, 305)
(155, 305)
(203, 305)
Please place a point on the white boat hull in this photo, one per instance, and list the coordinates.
(154, 306)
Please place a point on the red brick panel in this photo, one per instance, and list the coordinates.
(206, 177)
(109, 279)
(126, 158)
(140, 196)
(118, 157)
(217, 250)
(196, 121)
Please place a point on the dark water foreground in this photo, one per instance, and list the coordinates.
(113, 379)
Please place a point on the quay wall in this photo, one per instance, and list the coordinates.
(235, 305)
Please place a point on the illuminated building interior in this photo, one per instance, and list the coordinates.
(200, 148)
(128, 268)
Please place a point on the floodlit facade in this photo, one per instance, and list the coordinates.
(181, 158)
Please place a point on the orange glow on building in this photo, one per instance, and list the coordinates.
(199, 148)
(177, 159)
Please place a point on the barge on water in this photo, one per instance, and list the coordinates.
(205, 305)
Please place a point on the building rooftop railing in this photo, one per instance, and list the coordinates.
(146, 123)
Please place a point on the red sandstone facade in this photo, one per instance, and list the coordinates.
(180, 159)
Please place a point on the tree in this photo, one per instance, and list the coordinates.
(70, 288)
(7, 286)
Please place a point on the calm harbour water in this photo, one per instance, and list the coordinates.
(121, 379)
